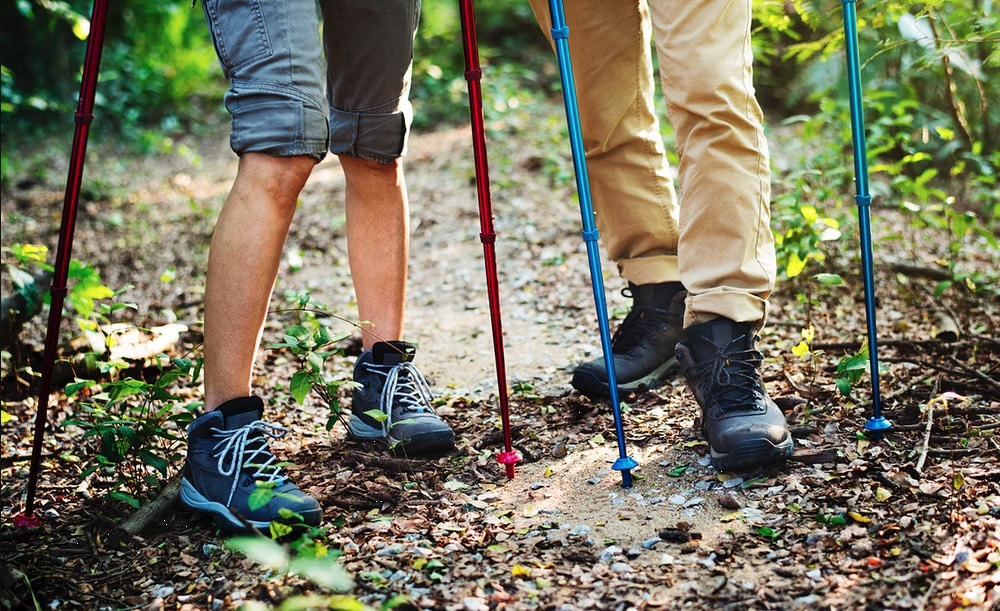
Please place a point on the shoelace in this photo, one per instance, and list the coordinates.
(406, 387)
(240, 449)
(729, 376)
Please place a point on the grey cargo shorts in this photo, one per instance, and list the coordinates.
(282, 56)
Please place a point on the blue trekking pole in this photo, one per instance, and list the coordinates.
(877, 425)
(560, 36)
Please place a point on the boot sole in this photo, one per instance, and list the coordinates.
(752, 453)
(427, 444)
(222, 516)
(590, 385)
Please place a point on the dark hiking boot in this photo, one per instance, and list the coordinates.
(743, 426)
(228, 462)
(643, 345)
(393, 404)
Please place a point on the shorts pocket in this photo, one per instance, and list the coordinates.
(239, 33)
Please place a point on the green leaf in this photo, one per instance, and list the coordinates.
(768, 533)
(261, 550)
(124, 497)
(829, 279)
(301, 385)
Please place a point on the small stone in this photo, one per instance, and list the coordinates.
(732, 483)
(609, 552)
(650, 543)
(621, 567)
(729, 501)
(633, 552)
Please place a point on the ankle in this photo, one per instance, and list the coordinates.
(658, 295)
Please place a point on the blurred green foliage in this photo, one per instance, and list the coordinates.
(930, 70)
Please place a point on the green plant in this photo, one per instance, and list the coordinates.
(135, 428)
(311, 343)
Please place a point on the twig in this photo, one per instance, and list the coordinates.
(927, 435)
(927, 439)
(147, 515)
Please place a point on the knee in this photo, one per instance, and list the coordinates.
(359, 167)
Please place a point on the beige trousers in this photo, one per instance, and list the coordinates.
(715, 238)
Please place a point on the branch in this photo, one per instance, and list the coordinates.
(147, 515)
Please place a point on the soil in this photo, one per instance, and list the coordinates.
(908, 522)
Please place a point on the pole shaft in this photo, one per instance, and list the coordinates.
(863, 197)
(560, 36)
(83, 118)
(487, 235)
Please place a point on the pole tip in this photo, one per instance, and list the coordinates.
(509, 459)
(625, 464)
(877, 427)
(27, 521)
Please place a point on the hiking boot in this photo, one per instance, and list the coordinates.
(393, 404)
(643, 345)
(743, 426)
(228, 460)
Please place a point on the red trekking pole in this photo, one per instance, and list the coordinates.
(83, 117)
(473, 74)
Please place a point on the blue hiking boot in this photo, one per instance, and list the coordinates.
(743, 426)
(392, 406)
(228, 460)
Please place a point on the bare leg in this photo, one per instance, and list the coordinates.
(243, 263)
(378, 245)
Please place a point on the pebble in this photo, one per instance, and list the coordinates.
(814, 574)
(609, 552)
(475, 604)
(580, 530)
(678, 499)
(693, 502)
(162, 591)
(732, 483)
(621, 567)
(633, 553)
(537, 485)
(650, 543)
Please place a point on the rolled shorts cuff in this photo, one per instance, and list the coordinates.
(379, 136)
(650, 270)
(276, 120)
(726, 302)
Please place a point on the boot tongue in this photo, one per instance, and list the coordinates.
(720, 335)
(237, 413)
(392, 353)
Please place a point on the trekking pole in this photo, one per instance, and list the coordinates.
(877, 424)
(473, 75)
(83, 117)
(560, 36)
